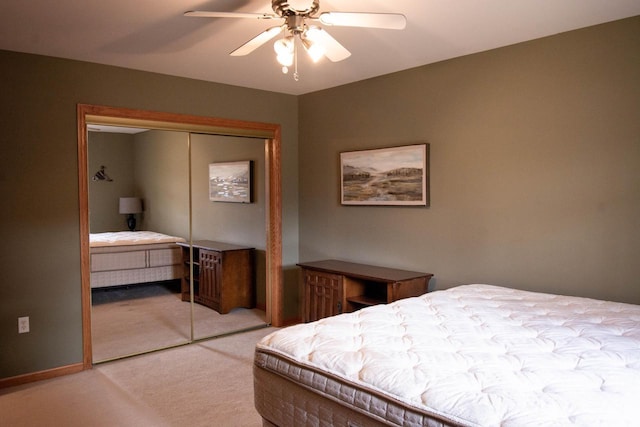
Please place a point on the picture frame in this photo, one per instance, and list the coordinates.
(394, 176)
(230, 182)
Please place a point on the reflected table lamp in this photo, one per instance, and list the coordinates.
(130, 206)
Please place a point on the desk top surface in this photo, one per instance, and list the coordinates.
(363, 271)
(214, 246)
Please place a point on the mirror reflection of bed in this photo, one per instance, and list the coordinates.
(138, 304)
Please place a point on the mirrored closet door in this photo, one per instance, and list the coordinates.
(229, 233)
(183, 286)
(140, 175)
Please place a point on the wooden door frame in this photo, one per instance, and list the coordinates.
(271, 133)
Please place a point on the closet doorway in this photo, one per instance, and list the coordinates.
(200, 133)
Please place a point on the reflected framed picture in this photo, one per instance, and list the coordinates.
(397, 176)
(230, 182)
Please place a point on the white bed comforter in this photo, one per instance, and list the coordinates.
(129, 238)
(483, 355)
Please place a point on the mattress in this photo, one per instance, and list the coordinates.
(130, 238)
(474, 355)
(124, 258)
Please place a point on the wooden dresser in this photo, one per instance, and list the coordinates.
(332, 287)
(223, 275)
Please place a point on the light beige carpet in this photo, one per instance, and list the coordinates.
(205, 384)
(148, 317)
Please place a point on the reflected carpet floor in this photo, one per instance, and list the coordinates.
(132, 320)
(209, 383)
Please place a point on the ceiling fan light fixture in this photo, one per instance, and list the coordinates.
(286, 60)
(313, 33)
(285, 52)
(315, 50)
(284, 46)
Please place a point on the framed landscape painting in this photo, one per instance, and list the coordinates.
(230, 182)
(386, 176)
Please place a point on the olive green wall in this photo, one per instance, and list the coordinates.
(162, 181)
(237, 223)
(114, 151)
(39, 221)
(535, 166)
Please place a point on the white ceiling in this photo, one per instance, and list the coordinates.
(153, 35)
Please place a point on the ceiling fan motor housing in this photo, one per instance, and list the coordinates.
(286, 8)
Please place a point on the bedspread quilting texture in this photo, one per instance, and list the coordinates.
(484, 355)
(126, 238)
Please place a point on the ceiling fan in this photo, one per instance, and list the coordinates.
(301, 26)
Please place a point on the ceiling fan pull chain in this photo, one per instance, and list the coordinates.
(296, 76)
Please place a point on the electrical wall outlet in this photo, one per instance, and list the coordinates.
(23, 325)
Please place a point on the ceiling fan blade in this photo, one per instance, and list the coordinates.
(257, 41)
(390, 21)
(333, 49)
(204, 14)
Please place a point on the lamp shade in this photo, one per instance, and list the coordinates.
(130, 205)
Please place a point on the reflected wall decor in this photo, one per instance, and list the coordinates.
(386, 176)
(230, 182)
